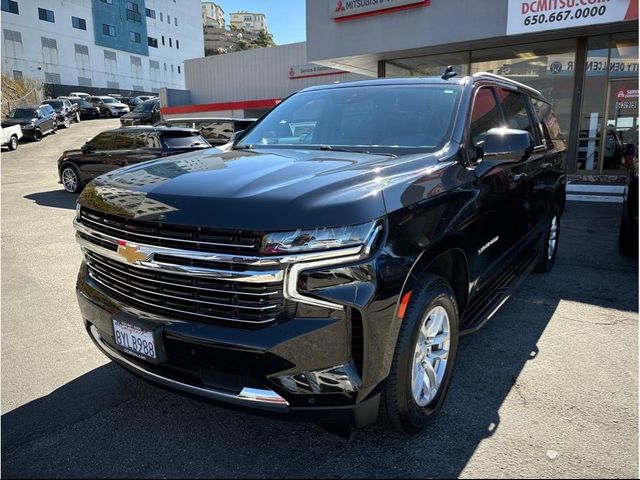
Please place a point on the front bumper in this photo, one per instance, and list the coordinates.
(236, 366)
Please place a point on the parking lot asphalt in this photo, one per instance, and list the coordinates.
(548, 388)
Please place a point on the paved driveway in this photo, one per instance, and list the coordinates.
(549, 388)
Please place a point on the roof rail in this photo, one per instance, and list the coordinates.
(493, 76)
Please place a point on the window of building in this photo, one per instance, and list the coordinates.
(162, 39)
(161, 18)
(79, 23)
(136, 66)
(108, 30)
(134, 37)
(179, 69)
(175, 21)
(113, 85)
(46, 15)
(49, 53)
(170, 42)
(172, 68)
(10, 6)
(154, 70)
(485, 115)
(82, 57)
(111, 65)
(165, 66)
(12, 45)
(152, 42)
(178, 44)
(50, 77)
(84, 82)
(428, 65)
(133, 12)
(17, 75)
(110, 2)
(169, 19)
(150, 13)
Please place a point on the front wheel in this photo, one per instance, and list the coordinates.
(549, 246)
(77, 117)
(70, 179)
(107, 114)
(424, 358)
(37, 135)
(66, 123)
(13, 143)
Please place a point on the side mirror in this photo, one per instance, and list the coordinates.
(87, 148)
(505, 145)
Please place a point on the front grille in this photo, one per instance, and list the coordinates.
(191, 297)
(172, 236)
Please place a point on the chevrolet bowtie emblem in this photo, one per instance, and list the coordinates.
(131, 252)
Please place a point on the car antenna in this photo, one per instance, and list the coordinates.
(449, 73)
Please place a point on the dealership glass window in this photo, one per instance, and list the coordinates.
(10, 6)
(428, 65)
(609, 111)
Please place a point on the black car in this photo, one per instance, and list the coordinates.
(146, 113)
(114, 149)
(217, 131)
(35, 120)
(326, 273)
(85, 109)
(65, 111)
(132, 102)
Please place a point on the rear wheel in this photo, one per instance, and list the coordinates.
(107, 113)
(13, 143)
(70, 179)
(37, 135)
(549, 246)
(424, 357)
(77, 117)
(67, 122)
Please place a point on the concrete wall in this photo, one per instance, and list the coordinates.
(252, 75)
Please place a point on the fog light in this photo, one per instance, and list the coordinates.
(340, 379)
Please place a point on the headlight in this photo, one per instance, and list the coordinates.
(317, 239)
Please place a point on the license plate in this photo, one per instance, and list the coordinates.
(135, 340)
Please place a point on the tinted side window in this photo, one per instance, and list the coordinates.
(516, 114)
(485, 115)
(126, 141)
(550, 123)
(104, 141)
(216, 131)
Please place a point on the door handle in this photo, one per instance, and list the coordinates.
(546, 165)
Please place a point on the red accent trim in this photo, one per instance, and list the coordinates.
(216, 107)
(424, 3)
(339, 72)
(403, 304)
(632, 10)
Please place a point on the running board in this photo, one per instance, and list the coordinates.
(481, 311)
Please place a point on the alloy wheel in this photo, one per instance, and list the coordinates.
(69, 180)
(430, 356)
(553, 238)
(14, 143)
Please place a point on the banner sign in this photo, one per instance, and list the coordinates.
(311, 70)
(343, 10)
(528, 16)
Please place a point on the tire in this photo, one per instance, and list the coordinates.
(401, 409)
(70, 179)
(627, 241)
(77, 117)
(13, 142)
(37, 135)
(54, 129)
(108, 114)
(66, 123)
(549, 243)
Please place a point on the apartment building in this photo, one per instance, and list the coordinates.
(250, 22)
(212, 15)
(119, 45)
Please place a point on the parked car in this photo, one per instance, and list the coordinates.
(114, 149)
(146, 113)
(65, 111)
(36, 121)
(84, 96)
(109, 106)
(132, 102)
(217, 131)
(10, 136)
(85, 109)
(327, 275)
(628, 236)
(144, 98)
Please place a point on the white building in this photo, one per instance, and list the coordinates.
(251, 22)
(89, 45)
(212, 15)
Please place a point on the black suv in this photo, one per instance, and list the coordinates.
(65, 111)
(35, 120)
(325, 271)
(145, 113)
(85, 109)
(125, 146)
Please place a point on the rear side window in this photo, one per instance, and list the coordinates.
(130, 140)
(183, 140)
(516, 113)
(104, 141)
(485, 115)
(219, 132)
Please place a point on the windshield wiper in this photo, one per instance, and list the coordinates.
(333, 149)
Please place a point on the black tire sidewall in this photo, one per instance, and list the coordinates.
(37, 135)
(545, 264)
(13, 143)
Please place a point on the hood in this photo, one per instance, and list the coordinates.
(278, 190)
(116, 105)
(134, 115)
(17, 121)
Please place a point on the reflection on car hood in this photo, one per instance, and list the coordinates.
(279, 189)
(136, 115)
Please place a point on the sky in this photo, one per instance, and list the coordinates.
(285, 18)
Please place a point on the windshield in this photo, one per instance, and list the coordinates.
(82, 103)
(394, 119)
(184, 140)
(53, 103)
(108, 100)
(23, 113)
(145, 107)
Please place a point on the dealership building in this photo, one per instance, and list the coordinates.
(581, 54)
